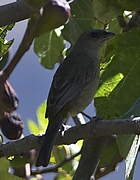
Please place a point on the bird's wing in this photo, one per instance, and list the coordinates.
(69, 81)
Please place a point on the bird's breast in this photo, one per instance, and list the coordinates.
(85, 98)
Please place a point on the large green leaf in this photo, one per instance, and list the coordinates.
(129, 5)
(42, 121)
(119, 86)
(106, 10)
(4, 175)
(49, 48)
(82, 20)
(40, 127)
(88, 15)
(111, 155)
(33, 127)
(63, 176)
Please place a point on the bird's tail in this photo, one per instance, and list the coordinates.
(48, 142)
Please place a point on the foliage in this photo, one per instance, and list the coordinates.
(4, 171)
(59, 152)
(4, 45)
(4, 56)
(42, 121)
(119, 84)
(119, 79)
(47, 53)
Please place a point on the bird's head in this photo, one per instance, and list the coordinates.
(100, 35)
(93, 40)
(96, 36)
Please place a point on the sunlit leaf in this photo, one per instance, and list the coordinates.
(33, 127)
(63, 176)
(48, 48)
(125, 61)
(42, 121)
(4, 174)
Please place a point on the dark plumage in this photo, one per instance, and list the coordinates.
(73, 87)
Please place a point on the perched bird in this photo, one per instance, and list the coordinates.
(73, 87)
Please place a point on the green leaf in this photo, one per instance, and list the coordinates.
(61, 152)
(111, 155)
(4, 46)
(106, 10)
(119, 87)
(33, 127)
(82, 20)
(88, 15)
(42, 121)
(4, 171)
(48, 48)
(114, 26)
(63, 176)
(109, 85)
(4, 30)
(129, 5)
(124, 64)
(18, 161)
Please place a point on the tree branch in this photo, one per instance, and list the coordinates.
(100, 128)
(90, 157)
(23, 47)
(55, 168)
(127, 126)
(15, 12)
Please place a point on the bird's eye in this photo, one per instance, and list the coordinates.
(94, 34)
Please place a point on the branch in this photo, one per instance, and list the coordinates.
(127, 126)
(24, 47)
(91, 151)
(15, 12)
(55, 168)
(90, 157)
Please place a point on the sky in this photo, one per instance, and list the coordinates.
(32, 82)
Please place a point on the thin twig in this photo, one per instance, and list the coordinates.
(55, 168)
(15, 12)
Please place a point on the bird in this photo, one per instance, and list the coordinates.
(73, 87)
